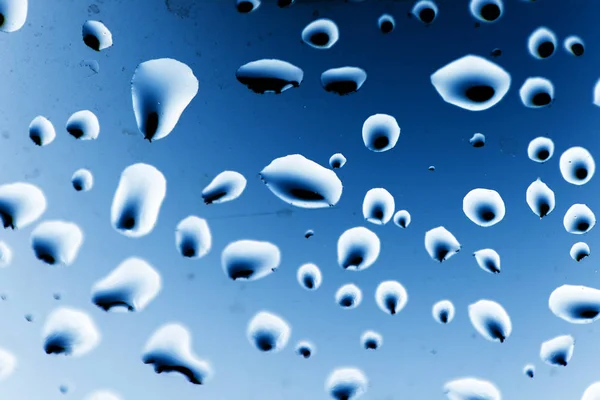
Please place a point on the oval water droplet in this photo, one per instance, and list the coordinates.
(56, 242)
(484, 207)
(443, 311)
(490, 320)
(441, 244)
(169, 349)
(343, 80)
(82, 180)
(302, 182)
(557, 352)
(472, 83)
(131, 286)
(537, 92)
(269, 76)
(225, 187)
(321, 34)
(70, 332)
(346, 383)
(96, 35)
(41, 131)
(579, 219)
(380, 132)
(348, 296)
(488, 260)
(83, 125)
(309, 276)
(268, 332)
(542, 43)
(357, 249)
(161, 90)
(577, 166)
(137, 200)
(250, 259)
(487, 11)
(391, 297)
(192, 237)
(540, 149)
(540, 198)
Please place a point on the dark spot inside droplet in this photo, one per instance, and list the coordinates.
(478, 143)
(262, 85)
(75, 132)
(308, 234)
(347, 301)
(544, 210)
(77, 186)
(306, 195)
(444, 317)
(284, 3)
(212, 197)
(342, 87)
(581, 173)
(580, 256)
(1, 19)
(441, 253)
(496, 331)
(245, 7)
(304, 352)
(480, 93)
(427, 15)
(386, 26)
(264, 343)
(109, 301)
(29, 317)
(381, 142)
(543, 154)
(47, 258)
(188, 249)
(530, 373)
(7, 220)
(577, 49)
(496, 53)
(490, 12)
(559, 359)
(354, 260)
(487, 215)
(402, 222)
(92, 42)
(492, 267)
(241, 273)
(160, 367)
(378, 214)
(54, 349)
(545, 49)
(335, 164)
(391, 304)
(583, 226)
(586, 312)
(371, 345)
(342, 393)
(309, 282)
(541, 99)
(319, 38)
(150, 126)
(35, 138)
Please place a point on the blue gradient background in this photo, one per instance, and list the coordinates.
(229, 127)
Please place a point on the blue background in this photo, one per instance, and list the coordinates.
(228, 127)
